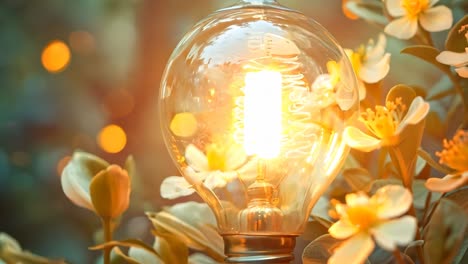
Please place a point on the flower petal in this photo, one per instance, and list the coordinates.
(394, 8)
(462, 71)
(417, 111)
(398, 232)
(452, 58)
(76, 187)
(357, 139)
(394, 199)
(174, 187)
(446, 184)
(375, 71)
(195, 158)
(191, 176)
(436, 19)
(362, 90)
(235, 157)
(342, 229)
(356, 199)
(402, 28)
(353, 251)
(214, 180)
(375, 52)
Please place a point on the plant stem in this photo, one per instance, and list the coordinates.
(397, 255)
(426, 207)
(426, 220)
(106, 224)
(412, 212)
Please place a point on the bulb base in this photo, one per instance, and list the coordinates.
(261, 249)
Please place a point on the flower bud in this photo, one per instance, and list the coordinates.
(110, 192)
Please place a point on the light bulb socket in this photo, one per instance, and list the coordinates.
(261, 249)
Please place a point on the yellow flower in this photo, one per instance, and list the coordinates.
(455, 156)
(370, 63)
(364, 219)
(410, 12)
(220, 164)
(386, 123)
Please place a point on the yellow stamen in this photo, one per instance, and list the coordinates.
(216, 156)
(364, 216)
(385, 120)
(414, 7)
(334, 70)
(455, 152)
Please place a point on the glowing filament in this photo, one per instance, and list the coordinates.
(262, 113)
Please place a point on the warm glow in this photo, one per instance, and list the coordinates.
(112, 139)
(262, 113)
(55, 56)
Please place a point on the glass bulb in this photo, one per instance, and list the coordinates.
(253, 103)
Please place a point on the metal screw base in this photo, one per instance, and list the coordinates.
(261, 249)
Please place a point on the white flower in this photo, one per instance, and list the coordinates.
(371, 64)
(409, 12)
(364, 219)
(386, 123)
(220, 165)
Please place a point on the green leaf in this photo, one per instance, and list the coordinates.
(462, 255)
(444, 233)
(460, 197)
(428, 54)
(319, 250)
(313, 230)
(455, 41)
(357, 178)
(126, 243)
(427, 157)
(128, 259)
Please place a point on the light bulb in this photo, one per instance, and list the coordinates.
(253, 103)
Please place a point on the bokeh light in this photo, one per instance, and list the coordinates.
(56, 56)
(112, 138)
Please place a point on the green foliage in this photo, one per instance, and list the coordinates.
(456, 41)
(428, 54)
(445, 232)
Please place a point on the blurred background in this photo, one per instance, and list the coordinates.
(85, 75)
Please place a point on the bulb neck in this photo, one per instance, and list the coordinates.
(260, 249)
